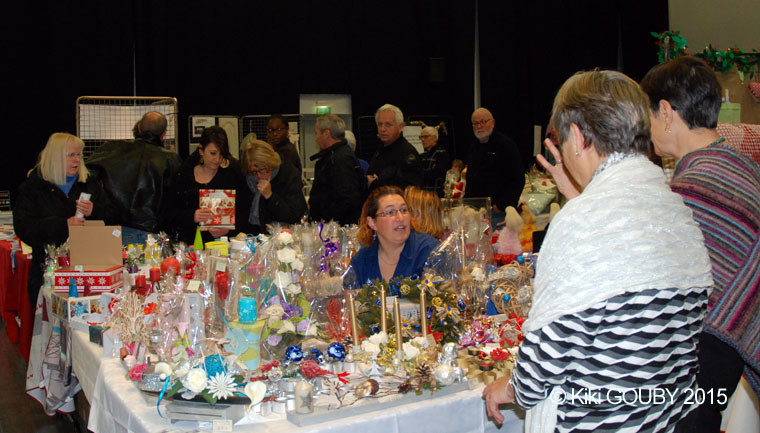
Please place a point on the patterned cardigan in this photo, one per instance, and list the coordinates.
(722, 188)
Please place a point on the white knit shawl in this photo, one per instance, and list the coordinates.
(626, 232)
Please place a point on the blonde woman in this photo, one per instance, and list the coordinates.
(48, 201)
(425, 210)
(272, 191)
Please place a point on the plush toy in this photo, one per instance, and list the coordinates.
(509, 236)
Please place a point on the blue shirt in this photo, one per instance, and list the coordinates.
(411, 262)
(69, 184)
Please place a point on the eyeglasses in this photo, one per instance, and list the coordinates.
(281, 128)
(481, 122)
(425, 136)
(390, 213)
(74, 155)
(260, 170)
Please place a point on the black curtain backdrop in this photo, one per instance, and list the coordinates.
(528, 49)
(237, 58)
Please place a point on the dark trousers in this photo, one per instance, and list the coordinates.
(720, 369)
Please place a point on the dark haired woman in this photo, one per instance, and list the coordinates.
(210, 167)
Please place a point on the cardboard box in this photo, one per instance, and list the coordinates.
(95, 251)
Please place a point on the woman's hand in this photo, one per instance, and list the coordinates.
(75, 221)
(217, 233)
(84, 206)
(565, 183)
(498, 392)
(203, 216)
(265, 188)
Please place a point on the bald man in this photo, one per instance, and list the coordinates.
(494, 167)
(136, 175)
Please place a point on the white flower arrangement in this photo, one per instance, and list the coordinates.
(195, 381)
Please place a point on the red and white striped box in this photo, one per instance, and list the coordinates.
(101, 279)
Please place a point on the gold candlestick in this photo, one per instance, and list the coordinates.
(423, 312)
(383, 311)
(397, 324)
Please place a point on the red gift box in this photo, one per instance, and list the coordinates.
(100, 278)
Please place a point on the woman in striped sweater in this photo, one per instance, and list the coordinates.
(722, 187)
(621, 283)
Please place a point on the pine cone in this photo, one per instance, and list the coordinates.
(405, 387)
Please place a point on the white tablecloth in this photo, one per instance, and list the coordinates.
(116, 405)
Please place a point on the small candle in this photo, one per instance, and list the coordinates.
(155, 274)
(304, 397)
(397, 324)
(383, 311)
(423, 313)
(354, 327)
(247, 309)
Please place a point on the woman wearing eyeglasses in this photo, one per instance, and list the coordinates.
(391, 248)
(272, 191)
(49, 201)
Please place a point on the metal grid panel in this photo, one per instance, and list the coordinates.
(257, 124)
(103, 118)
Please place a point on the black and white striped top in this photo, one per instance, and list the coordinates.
(627, 364)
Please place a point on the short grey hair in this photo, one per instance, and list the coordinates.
(609, 108)
(351, 139)
(432, 130)
(396, 111)
(334, 123)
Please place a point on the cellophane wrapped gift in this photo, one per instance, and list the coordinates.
(289, 314)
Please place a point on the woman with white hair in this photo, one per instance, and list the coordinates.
(49, 201)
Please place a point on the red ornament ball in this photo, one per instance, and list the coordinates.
(170, 263)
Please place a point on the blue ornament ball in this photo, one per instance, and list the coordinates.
(318, 356)
(337, 351)
(294, 354)
(461, 305)
(506, 298)
(520, 259)
(374, 329)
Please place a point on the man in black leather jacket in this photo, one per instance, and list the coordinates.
(336, 193)
(396, 161)
(136, 176)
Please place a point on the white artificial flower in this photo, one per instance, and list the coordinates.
(297, 264)
(370, 347)
(477, 274)
(222, 385)
(513, 350)
(130, 361)
(285, 238)
(163, 370)
(282, 279)
(286, 255)
(195, 380)
(287, 326)
(274, 313)
(293, 289)
(422, 342)
(379, 338)
(255, 391)
(182, 369)
(410, 350)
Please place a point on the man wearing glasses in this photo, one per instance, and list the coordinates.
(494, 167)
(277, 136)
(435, 160)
